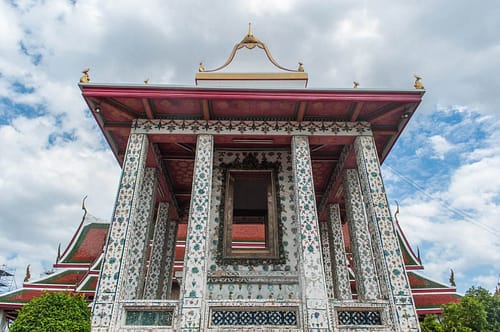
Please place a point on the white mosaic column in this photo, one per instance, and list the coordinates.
(327, 259)
(195, 270)
(124, 211)
(168, 260)
(312, 276)
(386, 246)
(364, 264)
(137, 246)
(3, 321)
(341, 283)
(154, 275)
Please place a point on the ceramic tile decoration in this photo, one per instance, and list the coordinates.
(148, 315)
(261, 280)
(327, 259)
(138, 238)
(312, 275)
(195, 270)
(364, 264)
(254, 318)
(341, 283)
(155, 273)
(149, 318)
(351, 317)
(256, 315)
(218, 127)
(124, 212)
(168, 259)
(382, 226)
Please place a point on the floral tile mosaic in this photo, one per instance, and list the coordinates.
(390, 263)
(312, 277)
(364, 264)
(154, 275)
(128, 195)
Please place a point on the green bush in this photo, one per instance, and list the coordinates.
(477, 311)
(53, 312)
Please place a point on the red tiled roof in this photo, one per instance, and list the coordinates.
(68, 277)
(90, 284)
(418, 281)
(88, 246)
(22, 295)
(434, 300)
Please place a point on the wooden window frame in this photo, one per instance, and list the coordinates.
(271, 251)
(275, 251)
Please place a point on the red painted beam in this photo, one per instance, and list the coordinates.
(291, 95)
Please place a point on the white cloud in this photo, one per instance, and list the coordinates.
(476, 185)
(45, 184)
(264, 7)
(456, 224)
(440, 146)
(359, 26)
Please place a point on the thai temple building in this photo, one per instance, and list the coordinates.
(246, 202)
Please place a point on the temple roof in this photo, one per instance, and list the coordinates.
(250, 113)
(116, 107)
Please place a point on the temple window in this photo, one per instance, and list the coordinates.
(250, 213)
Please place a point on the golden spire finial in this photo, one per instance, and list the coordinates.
(355, 84)
(201, 68)
(250, 38)
(418, 85)
(85, 78)
(301, 67)
(146, 81)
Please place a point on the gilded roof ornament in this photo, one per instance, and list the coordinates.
(418, 85)
(355, 84)
(250, 42)
(146, 81)
(85, 78)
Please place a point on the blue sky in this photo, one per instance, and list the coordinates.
(443, 171)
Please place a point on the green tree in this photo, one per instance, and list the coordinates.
(477, 311)
(53, 312)
(491, 304)
(468, 315)
(431, 324)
